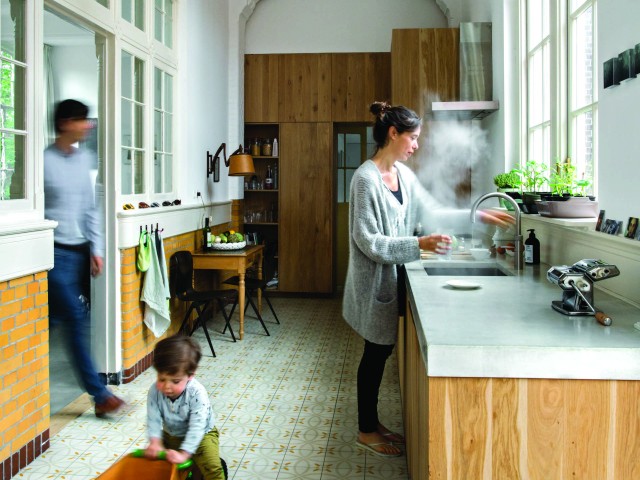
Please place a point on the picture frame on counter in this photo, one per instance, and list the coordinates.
(632, 228)
(599, 222)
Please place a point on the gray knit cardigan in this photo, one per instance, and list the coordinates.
(381, 237)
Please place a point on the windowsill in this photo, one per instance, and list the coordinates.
(172, 220)
(579, 223)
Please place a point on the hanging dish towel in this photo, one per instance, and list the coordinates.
(144, 251)
(155, 292)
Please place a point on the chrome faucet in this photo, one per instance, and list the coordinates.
(517, 258)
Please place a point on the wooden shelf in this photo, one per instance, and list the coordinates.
(265, 156)
(261, 223)
(261, 190)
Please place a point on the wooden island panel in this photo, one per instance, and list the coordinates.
(510, 428)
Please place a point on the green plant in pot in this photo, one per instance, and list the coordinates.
(564, 183)
(568, 195)
(511, 184)
(534, 178)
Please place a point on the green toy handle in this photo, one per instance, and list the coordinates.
(162, 455)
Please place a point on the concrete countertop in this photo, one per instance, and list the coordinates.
(507, 328)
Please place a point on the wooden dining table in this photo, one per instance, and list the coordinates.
(237, 260)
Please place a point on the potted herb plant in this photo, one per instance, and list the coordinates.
(568, 198)
(509, 183)
(533, 178)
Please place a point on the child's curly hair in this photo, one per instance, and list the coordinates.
(177, 354)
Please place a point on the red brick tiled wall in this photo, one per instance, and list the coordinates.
(24, 363)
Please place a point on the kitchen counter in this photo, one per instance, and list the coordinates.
(497, 384)
(507, 328)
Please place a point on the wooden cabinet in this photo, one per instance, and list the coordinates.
(494, 428)
(304, 88)
(261, 88)
(424, 67)
(261, 205)
(306, 207)
(357, 80)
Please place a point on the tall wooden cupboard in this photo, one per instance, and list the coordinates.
(298, 97)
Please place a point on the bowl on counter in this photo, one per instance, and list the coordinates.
(480, 253)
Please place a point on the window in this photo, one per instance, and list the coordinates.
(163, 132)
(163, 15)
(147, 151)
(561, 77)
(133, 12)
(132, 174)
(583, 106)
(354, 145)
(13, 134)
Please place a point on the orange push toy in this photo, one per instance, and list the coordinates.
(136, 467)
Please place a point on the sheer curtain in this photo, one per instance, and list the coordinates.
(49, 97)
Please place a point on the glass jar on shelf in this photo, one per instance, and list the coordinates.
(266, 148)
(255, 147)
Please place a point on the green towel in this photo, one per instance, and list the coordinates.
(144, 252)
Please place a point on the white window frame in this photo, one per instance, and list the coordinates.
(167, 70)
(560, 78)
(31, 207)
(154, 54)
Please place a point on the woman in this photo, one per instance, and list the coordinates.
(387, 202)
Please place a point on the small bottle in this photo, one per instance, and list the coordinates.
(268, 179)
(209, 235)
(275, 177)
(274, 149)
(532, 249)
(206, 235)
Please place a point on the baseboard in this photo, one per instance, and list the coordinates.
(11, 466)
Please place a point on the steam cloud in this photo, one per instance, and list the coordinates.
(450, 150)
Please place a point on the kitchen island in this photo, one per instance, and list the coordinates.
(498, 385)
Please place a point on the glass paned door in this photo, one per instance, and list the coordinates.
(354, 144)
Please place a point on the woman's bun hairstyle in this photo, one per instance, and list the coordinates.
(387, 116)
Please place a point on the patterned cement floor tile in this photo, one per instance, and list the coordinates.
(285, 404)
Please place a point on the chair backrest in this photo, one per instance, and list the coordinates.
(181, 274)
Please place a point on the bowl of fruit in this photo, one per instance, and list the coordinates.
(228, 240)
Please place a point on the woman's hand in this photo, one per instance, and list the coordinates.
(178, 456)
(498, 218)
(155, 446)
(430, 243)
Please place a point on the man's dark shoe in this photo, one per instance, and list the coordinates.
(110, 405)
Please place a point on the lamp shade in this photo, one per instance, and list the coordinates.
(241, 164)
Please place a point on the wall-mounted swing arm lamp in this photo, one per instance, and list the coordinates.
(239, 163)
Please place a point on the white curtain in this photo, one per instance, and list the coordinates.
(49, 97)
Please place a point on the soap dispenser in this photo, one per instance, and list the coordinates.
(532, 249)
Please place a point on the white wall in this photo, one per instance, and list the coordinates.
(311, 26)
(203, 89)
(76, 75)
(619, 115)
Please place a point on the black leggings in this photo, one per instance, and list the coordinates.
(370, 373)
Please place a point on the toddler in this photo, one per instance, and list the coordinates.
(180, 419)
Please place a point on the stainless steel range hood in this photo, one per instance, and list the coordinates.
(469, 110)
(476, 76)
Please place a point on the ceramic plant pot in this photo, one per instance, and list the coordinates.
(569, 207)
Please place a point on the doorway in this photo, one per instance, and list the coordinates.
(354, 144)
(73, 67)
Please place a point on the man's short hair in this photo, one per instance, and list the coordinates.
(69, 109)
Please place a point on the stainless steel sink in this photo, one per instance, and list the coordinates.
(466, 271)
